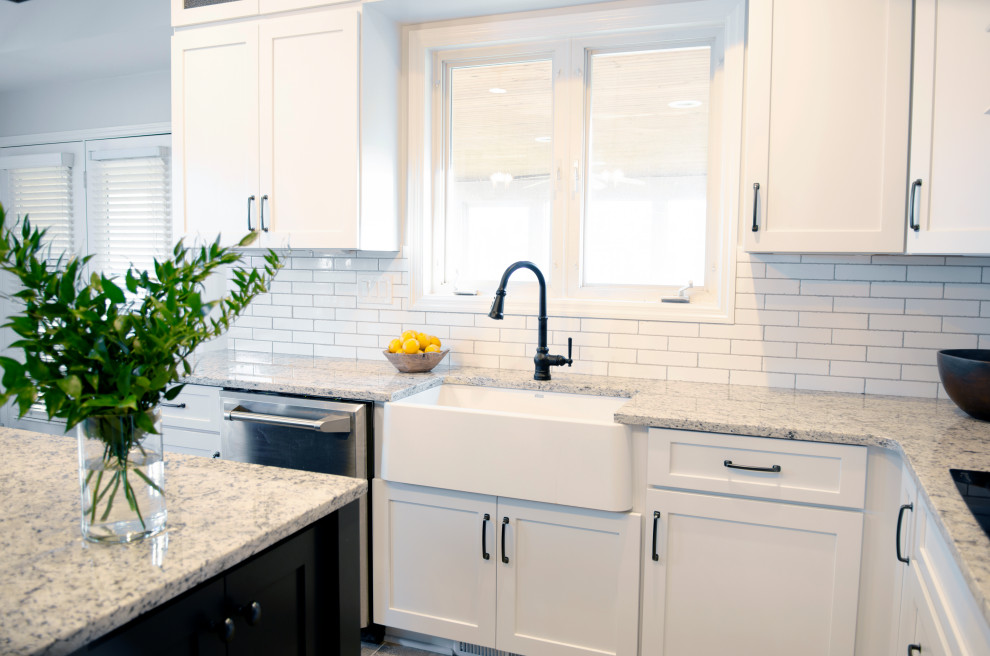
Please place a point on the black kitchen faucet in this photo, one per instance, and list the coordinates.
(543, 359)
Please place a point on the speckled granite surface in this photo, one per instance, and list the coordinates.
(60, 592)
(933, 436)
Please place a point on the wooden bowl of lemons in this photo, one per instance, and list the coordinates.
(415, 352)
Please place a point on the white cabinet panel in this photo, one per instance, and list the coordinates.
(737, 576)
(827, 106)
(309, 129)
(430, 572)
(919, 625)
(950, 131)
(215, 131)
(197, 407)
(571, 580)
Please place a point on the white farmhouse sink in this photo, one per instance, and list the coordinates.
(541, 446)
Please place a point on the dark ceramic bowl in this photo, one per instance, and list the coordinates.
(965, 373)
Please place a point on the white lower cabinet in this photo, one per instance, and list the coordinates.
(518, 576)
(919, 632)
(191, 421)
(726, 575)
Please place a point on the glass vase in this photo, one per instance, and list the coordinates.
(121, 477)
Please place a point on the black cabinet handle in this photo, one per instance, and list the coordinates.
(912, 649)
(897, 538)
(225, 629)
(484, 537)
(505, 523)
(656, 520)
(216, 454)
(250, 203)
(912, 215)
(172, 405)
(775, 469)
(251, 612)
(756, 205)
(264, 199)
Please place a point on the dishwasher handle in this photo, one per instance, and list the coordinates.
(332, 423)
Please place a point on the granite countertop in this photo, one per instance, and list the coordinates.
(931, 435)
(61, 592)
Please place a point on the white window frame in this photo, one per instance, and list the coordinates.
(714, 21)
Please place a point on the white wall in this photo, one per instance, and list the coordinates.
(86, 104)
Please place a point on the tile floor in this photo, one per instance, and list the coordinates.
(392, 649)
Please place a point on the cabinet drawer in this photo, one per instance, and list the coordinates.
(197, 407)
(808, 472)
(180, 440)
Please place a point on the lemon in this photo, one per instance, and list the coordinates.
(395, 346)
(432, 348)
(434, 341)
(423, 339)
(409, 334)
(410, 346)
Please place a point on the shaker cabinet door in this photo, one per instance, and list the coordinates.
(309, 138)
(827, 107)
(950, 130)
(431, 571)
(215, 132)
(725, 575)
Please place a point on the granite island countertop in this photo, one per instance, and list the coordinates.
(61, 592)
(931, 435)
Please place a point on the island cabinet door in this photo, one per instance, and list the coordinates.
(188, 624)
(568, 580)
(272, 600)
(435, 554)
(725, 575)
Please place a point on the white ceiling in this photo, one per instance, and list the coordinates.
(48, 41)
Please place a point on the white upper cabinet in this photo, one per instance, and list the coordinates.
(827, 112)
(192, 12)
(950, 129)
(215, 132)
(287, 126)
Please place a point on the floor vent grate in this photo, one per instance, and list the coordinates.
(467, 649)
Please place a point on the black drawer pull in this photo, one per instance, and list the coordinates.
(484, 537)
(775, 469)
(172, 405)
(912, 215)
(912, 649)
(505, 523)
(897, 538)
(656, 520)
(756, 205)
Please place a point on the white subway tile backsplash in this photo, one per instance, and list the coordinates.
(851, 323)
(901, 388)
(869, 272)
(831, 352)
(796, 366)
(943, 274)
(945, 308)
(829, 383)
(814, 303)
(668, 358)
(761, 379)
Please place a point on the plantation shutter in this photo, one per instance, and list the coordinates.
(129, 213)
(40, 186)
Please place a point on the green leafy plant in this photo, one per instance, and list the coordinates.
(93, 350)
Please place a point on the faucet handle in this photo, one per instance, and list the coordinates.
(569, 342)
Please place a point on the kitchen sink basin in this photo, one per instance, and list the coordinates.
(524, 444)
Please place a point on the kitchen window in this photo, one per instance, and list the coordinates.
(603, 147)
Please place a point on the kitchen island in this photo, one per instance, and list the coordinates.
(61, 593)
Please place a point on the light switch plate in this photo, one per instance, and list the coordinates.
(374, 289)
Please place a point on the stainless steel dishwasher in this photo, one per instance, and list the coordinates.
(316, 435)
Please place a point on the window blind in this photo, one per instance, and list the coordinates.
(45, 194)
(129, 213)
